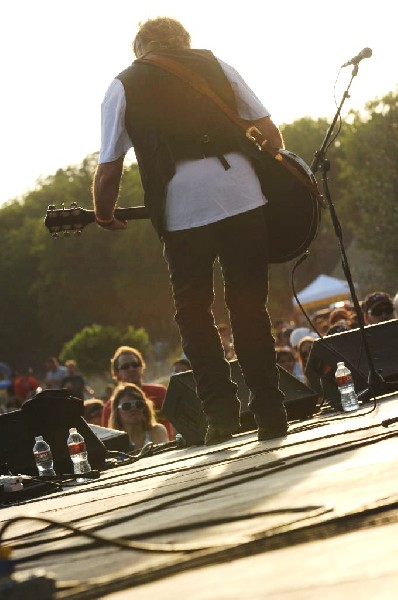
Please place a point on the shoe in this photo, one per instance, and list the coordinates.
(264, 434)
(273, 425)
(217, 435)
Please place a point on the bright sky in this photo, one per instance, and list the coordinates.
(59, 57)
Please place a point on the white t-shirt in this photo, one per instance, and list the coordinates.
(201, 191)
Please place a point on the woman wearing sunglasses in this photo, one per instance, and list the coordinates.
(133, 412)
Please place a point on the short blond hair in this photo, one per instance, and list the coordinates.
(162, 33)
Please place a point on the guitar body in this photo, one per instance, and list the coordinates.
(293, 210)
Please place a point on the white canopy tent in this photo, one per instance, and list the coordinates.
(323, 291)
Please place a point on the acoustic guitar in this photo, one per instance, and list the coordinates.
(292, 211)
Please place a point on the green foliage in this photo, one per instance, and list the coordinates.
(305, 136)
(369, 177)
(52, 291)
(94, 345)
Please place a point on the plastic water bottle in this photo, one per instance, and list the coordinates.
(349, 398)
(43, 457)
(78, 453)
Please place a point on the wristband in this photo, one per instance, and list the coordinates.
(104, 222)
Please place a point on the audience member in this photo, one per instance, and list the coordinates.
(303, 351)
(320, 319)
(285, 358)
(282, 337)
(338, 315)
(93, 408)
(75, 382)
(55, 374)
(295, 338)
(339, 320)
(378, 307)
(25, 385)
(280, 324)
(339, 327)
(298, 334)
(180, 366)
(133, 412)
(128, 366)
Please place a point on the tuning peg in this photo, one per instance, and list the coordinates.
(51, 207)
(77, 231)
(55, 236)
(66, 233)
(73, 205)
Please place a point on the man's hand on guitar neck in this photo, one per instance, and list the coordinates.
(105, 193)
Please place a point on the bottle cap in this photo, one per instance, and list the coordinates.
(340, 364)
(39, 438)
(73, 430)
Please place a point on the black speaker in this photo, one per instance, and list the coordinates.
(183, 408)
(113, 439)
(50, 413)
(348, 347)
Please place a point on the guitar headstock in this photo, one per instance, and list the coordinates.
(65, 221)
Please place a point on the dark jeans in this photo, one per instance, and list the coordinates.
(240, 244)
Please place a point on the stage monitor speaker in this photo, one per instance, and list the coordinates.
(183, 408)
(348, 347)
(50, 413)
(113, 439)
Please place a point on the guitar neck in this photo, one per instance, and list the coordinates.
(74, 219)
(128, 214)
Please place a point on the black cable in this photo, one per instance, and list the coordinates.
(124, 544)
(142, 547)
(252, 474)
(172, 548)
(272, 539)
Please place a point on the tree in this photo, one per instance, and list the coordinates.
(369, 177)
(52, 290)
(94, 345)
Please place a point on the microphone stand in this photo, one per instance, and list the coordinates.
(377, 386)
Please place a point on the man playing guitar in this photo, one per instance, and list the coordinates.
(206, 203)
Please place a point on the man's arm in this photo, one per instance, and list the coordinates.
(270, 131)
(105, 193)
(250, 108)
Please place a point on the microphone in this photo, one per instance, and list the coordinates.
(365, 53)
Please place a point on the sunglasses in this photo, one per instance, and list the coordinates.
(129, 404)
(381, 310)
(129, 365)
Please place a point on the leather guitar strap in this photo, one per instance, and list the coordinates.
(251, 132)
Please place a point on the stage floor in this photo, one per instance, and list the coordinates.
(312, 514)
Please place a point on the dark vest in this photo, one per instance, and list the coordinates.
(167, 120)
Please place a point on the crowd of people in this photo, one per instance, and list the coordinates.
(131, 404)
(128, 403)
(293, 344)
